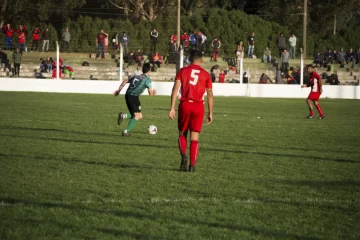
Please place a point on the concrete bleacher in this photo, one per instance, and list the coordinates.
(105, 69)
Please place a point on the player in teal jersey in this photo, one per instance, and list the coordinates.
(137, 86)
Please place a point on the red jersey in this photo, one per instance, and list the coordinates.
(36, 34)
(101, 38)
(9, 32)
(173, 38)
(314, 82)
(194, 82)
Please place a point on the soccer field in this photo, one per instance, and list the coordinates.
(263, 172)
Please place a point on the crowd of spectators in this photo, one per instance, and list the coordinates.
(334, 57)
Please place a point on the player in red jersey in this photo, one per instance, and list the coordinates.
(193, 81)
(316, 90)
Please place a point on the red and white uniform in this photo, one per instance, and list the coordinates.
(315, 87)
(194, 82)
(173, 38)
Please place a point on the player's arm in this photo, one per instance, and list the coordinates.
(174, 93)
(320, 85)
(210, 101)
(152, 92)
(117, 92)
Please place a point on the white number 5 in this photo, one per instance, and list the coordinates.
(194, 76)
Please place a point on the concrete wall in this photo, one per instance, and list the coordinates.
(164, 88)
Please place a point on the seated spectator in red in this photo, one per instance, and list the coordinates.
(222, 76)
(157, 59)
(54, 68)
(138, 56)
(36, 39)
(264, 79)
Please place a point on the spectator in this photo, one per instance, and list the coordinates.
(124, 40)
(100, 43)
(216, 44)
(157, 59)
(115, 42)
(267, 55)
(292, 41)
(202, 40)
(285, 56)
(138, 56)
(184, 39)
(328, 58)
(239, 55)
(69, 71)
(290, 76)
(318, 60)
(173, 38)
(138, 71)
(264, 79)
(66, 37)
(153, 40)
(172, 53)
(54, 65)
(281, 43)
(107, 45)
(193, 40)
(49, 65)
(341, 58)
(43, 66)
(350, 57)
(36, 39)
(213, 72)
(251, 44)
(222, 76)
(335, 56)
(9, 32)
(21, 38)
(46, 40)
(17, 61)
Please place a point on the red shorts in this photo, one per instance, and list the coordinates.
(191, 116)
(314, 96)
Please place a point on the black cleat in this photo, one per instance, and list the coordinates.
(120, 118)
(125, 134)
(183, 164)
(310, 116)
(322, 117)
(191, 169)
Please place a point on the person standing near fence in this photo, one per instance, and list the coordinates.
(292, 41)
(281, 43)
(153, 40)
(66, 37)
(9, 32)
(17, 61)
(100, 43)
(124, 40)
(21, 38)
(251, 44)
(216, 44)
(36, 39)
(202, 40)
(46, 40)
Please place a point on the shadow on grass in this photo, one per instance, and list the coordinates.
(140, 216)
(73, 160)
(338, 160)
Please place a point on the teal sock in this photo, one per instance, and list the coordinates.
(127, 115)
(131, 125)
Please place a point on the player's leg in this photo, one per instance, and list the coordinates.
(195, 126)
(318, 107)
(135, 109)
(183, 125)
(122, 115)
(311, 109)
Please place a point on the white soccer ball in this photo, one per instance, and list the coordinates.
(152, 129)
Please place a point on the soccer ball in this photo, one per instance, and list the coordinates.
(152, 129)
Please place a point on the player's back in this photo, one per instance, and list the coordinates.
(194, 81)
(138, 84)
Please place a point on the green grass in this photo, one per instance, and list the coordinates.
(65, 172)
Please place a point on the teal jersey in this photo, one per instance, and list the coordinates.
(138, 84)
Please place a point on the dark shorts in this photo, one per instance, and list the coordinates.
(133, 104)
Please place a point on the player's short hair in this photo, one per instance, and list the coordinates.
(146, 68)
(309, 66)
(195, 55)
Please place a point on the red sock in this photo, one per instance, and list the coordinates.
(312, 112)
(194, 150)
(182, 144)
(319, 110)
